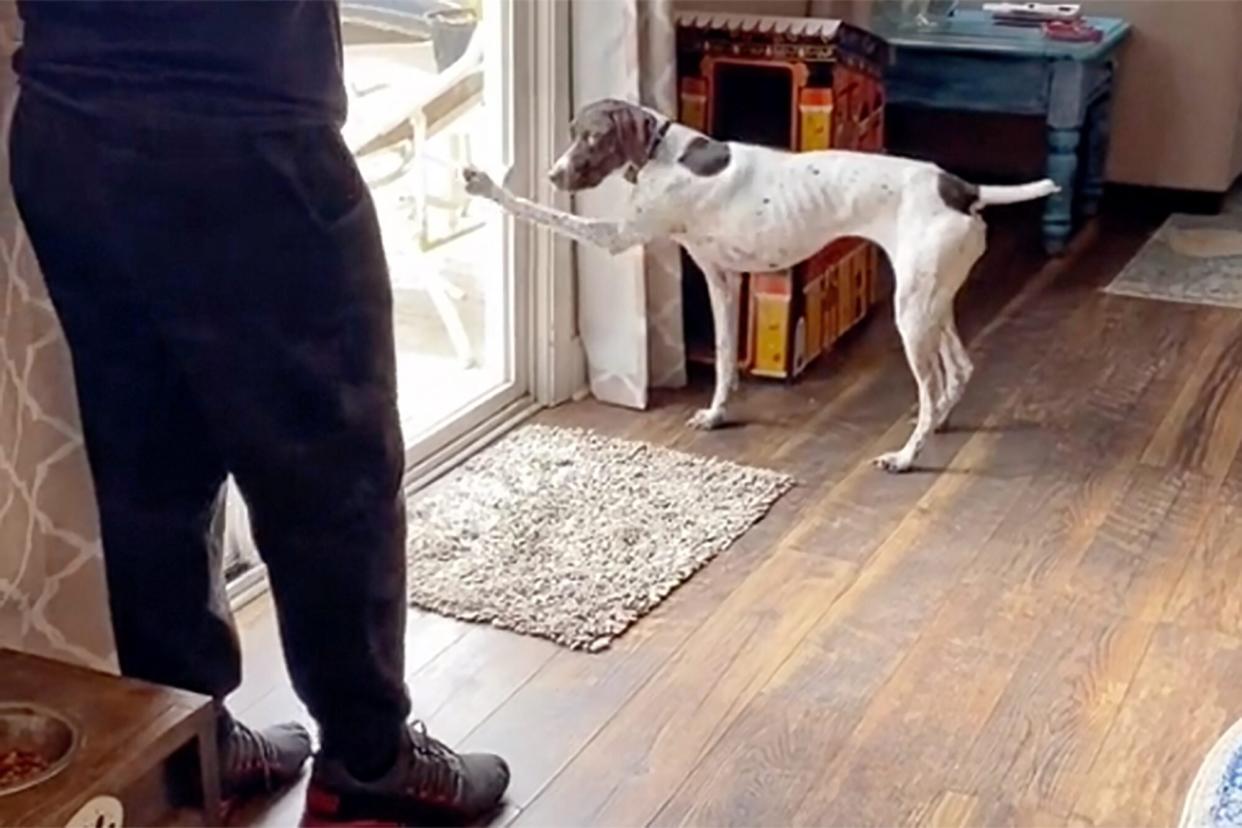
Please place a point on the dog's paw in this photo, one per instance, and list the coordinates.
(479, 183)
(892, 462)
(705, 419)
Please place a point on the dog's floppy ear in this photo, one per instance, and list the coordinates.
(635, 129)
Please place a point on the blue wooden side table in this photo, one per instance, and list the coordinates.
(971, 64)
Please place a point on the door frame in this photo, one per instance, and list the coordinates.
(559, 364)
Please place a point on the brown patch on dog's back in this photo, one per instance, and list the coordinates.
(705, 157)
(956, 193)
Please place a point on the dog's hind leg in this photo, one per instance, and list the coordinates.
(929, 268)
(954, 250)
(957, 370)
(943, 367)
(919, 341)
(723, 289)
(956, 262)
(920, 311)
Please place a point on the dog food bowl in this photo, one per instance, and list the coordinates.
(33, 736)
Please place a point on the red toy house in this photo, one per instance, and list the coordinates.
(801, 84)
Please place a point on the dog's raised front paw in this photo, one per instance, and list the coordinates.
(479, 183)
(705, 419)
(892, 462)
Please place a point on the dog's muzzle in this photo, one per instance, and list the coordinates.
(559, 175)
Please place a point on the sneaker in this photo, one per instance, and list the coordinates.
(261, 761)
(428, 783)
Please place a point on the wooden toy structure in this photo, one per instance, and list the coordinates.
(800, 84)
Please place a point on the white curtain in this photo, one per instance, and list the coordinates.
(629, 306)
(53, 594)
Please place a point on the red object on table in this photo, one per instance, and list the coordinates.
(1077, 31)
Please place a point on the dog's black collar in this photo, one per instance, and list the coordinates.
(631, 171)
(658, 137)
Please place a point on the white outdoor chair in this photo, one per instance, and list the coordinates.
(398, 102)
(398, 105)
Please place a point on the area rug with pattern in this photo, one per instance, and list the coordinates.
(1194, 259)
(573, 536)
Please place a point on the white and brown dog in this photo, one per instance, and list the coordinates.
(740, 208)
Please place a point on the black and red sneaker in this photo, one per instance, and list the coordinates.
(428, 784)
(256, 762)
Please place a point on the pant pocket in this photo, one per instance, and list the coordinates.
(318, 168)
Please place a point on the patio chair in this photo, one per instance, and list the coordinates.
(401, 96)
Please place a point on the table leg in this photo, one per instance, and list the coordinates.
(209, 769)
(1062, 167)
(1068, 91)
(1098, 120)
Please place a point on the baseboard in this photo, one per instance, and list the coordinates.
(1144, 198)
(442, 461)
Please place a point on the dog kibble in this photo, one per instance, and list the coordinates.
(16, 766)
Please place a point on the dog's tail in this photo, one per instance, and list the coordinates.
(989, 195)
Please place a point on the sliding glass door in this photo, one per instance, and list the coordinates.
(431, 86)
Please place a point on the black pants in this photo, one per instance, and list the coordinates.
(227, 305)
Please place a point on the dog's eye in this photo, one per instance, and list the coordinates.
(590, 140)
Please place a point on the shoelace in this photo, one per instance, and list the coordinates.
(249, 754)
(439, 776)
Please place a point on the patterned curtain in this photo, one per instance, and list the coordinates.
(53, 595)
(629, 306)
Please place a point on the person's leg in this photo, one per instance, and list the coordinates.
(155, 471)
(274, 290)
(155, 468)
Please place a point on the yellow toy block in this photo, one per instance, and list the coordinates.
(815, 109)
(693, 95)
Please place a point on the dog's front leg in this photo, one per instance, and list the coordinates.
(611, 236)
(723, 288)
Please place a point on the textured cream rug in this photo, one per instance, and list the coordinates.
(572, 536)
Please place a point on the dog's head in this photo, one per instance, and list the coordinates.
(606, 136)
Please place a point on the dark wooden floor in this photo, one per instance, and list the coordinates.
(1042, 627)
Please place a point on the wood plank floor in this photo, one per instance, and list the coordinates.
(1040, 627)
